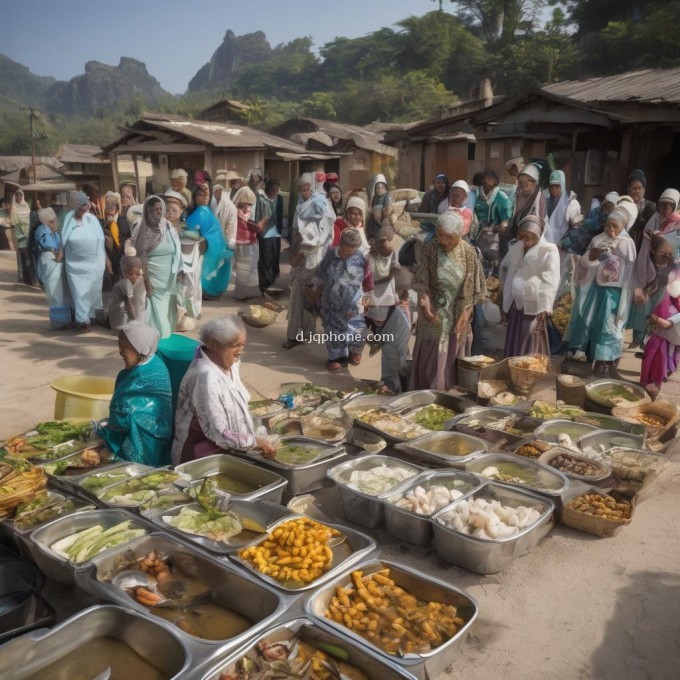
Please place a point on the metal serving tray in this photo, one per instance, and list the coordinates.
(596, 443)
(155, 641)
(607, 422)
(484, 416)
(267, 485)
(595, 388)
(424, 666)
(62, 482)
(410, 402)
(135, 506)
(355, 547)
(262, 512)
(417, 448)
(407, 525)
(360, 656)
(574, 430)
(556, 484)
(130, 469)
(233, 589)
(485, 555)
(589, 479)
(55, 566)
(368, 511)
(306, 477)
(80, 445)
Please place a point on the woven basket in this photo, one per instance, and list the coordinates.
(571, 390)
(595, 524)
(259, 316)
(660, 409)
(524, 379)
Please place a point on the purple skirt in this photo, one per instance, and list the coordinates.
(434, 367)
(517, 333)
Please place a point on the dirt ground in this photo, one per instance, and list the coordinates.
(577, 607)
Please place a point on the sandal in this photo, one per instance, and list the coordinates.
(84, 328)
(334, 366)
(290, 343)
(354, 359)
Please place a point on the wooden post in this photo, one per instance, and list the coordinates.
(141, 194)
(114, 169)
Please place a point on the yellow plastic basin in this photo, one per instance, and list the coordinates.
(82, 397)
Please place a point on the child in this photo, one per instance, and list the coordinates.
(384, 265)
(128, 297)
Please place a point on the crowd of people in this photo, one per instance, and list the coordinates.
(618, 262)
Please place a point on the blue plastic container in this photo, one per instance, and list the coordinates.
(177, 353)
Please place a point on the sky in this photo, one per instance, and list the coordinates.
(174, 39)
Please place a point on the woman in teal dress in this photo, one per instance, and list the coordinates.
(139, 428)
(216, 272)
(157, 244)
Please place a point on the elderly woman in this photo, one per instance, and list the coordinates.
(436, 201)
(666, 221)
(603, 294)
(216, 272)
(342, 277)
(311, 236)
(139, 427)
(531, 274)
(380, 206)
(225, 211)
(352, 219)
(84, 260)
(458, 203)
(637, 185)
(449, 281)
(20, 219)
(156, 243)
(48, 253)
(212, 407)
(178, 183)
(247, 255)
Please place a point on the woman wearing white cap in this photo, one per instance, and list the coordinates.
(579, 236)
(529, 200)
(603, 295)
(178, 182)
(563, 209)
(530, 273)
(665, 221)
(458, 203)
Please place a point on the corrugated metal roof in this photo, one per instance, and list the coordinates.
(649, 86)
(8, 163)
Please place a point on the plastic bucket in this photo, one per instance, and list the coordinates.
(177, 353)
(84, 397)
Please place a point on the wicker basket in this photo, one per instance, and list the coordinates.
(595, 524)
(259, 316)
(661, 409)
(524, 379)
(571, 390)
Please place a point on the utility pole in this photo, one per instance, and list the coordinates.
(30, 119)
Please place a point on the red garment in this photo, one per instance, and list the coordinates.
(465, 214)
(338, 227)
(659, 357)
(671, 224)
(244, 236)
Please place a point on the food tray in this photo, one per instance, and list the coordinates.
(410, 402)
(481, 416)
(233, 589)
(569, 427)
(359, 655)
(409, 526)
(361, 403)
(306, 477)
(131, 469)
(473, 447)
(489, 556)
(55, 566)
(607, 422)
(269, 486)
(549, 442)
(262, 512)
(359, 507)
(277, 409)
(642, 474)
(424, 666)
(556, 484)
(592, 524)
(76, 446)
(135, 506)
(595, 389)
(157, 642)
(79, 506)
(604, 473)
(354, 548)
(595, 443)
(62, 482)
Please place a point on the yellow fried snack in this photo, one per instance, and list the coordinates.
(391, 618)
(296, 550)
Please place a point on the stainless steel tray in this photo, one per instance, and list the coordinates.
(134, 506)
(233, 589)
(262, 512)
(410, 526)
(368, 511)
(569, 427)
(411, 401)
(428, 665)
(130, 469)
(267, 485)
(360, 656)
(487, 556)
(474, 447)
(552, 482)
(155, 641)
(588, 479)
(55, 566)
(596, 387)
(308, 476)
(62, 482)
(354, 548)
(595, 443)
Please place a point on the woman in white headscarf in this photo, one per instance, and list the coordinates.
(84, 260)
(20, 219)
(531, 274)
(224, 210)
(247, 255)
(156, 243)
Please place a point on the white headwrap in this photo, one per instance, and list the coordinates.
(627, 203)
(142, 337)
(612, 197)
(450, 223)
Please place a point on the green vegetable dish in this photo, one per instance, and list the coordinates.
(42, 508)
(296, 454)
(231, 485)
(96, 482)
(84, 545)
(215, 526)
(433, 417)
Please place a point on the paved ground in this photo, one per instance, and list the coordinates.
(577, 607)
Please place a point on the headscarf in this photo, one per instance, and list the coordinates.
(450, 223)
(80, 198)
(143, 338)
(21, 211)
(670, 223)
(339, 208)
(356, 202)
(619, 215)
(306, 178)
(631, 209)
(244, 195)
(146, 235)
(533, 224)
(612, 197)
(177, 196)
(670, 196)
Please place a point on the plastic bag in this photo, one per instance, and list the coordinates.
(185, 294)
(537, 343)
